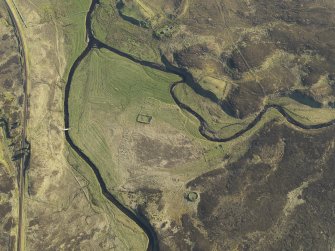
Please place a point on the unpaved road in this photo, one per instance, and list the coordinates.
(24, 161)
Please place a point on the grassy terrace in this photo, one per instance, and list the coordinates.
(216, 118)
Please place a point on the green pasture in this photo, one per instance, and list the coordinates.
(107, 94)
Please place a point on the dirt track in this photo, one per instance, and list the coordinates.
(24, 162)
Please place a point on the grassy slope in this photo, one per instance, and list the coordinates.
(116, 91)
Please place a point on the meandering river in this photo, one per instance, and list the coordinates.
(204, 129)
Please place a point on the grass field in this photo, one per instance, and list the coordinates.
(107, 95)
